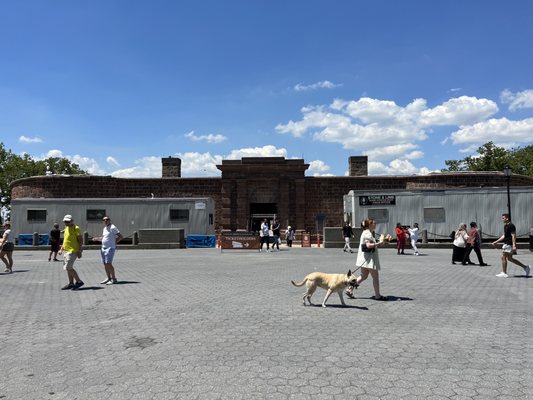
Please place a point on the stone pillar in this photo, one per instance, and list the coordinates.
(358, 165)
(171, 167)
(300, 204)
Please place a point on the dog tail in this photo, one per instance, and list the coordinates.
(299, 283)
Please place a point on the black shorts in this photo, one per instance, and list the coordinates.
(9, 246)
(54, 246)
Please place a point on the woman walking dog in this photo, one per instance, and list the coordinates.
(368, 258)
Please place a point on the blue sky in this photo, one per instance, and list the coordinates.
(116, 85)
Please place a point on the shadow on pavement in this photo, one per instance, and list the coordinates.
(125, 283)
(340, 306)
(87, 288)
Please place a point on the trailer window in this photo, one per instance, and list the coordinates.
(434, 215)
(179, 215)
(95, 215)
(36, 215)
(379, 214)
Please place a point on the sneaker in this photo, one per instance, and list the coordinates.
(528, 270)
(78, 285)
(105, 282)
(502, 275)
(416, 254)
(111, 282)
(68, 287)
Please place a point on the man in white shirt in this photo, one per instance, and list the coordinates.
(110, 237)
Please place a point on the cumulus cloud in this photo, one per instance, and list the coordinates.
(27, 139)
(206, 138)
(314, 86)
(517, 100)
(112, 161)
(199, 164)
(406, 150)
(396, 167)
(265, 151)
(502, 131)
(459, 111)
(146, 167)
(319, 168)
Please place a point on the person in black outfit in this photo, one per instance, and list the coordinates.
(55, 235)
(275, 233)
(347, 233)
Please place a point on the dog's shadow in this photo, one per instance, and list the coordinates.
(340, 306)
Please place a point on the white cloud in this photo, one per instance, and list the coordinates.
(54, 153)
(27, 139)
(265, 151)
(318, 85)
(405, 150)
(112, 161)
(517, 100)
(199, 164)
(459, 111)
(319, 168)
(382, 129)
(207, 138)
(396, 167)
(87, 164)
(499, 130)
(146, 167)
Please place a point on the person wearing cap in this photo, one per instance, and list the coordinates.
(7, 245)
(110, 237)
(71, 250)
(55, 241)
(289, 236)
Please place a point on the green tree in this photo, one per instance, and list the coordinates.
(493, 158)
(13, 167)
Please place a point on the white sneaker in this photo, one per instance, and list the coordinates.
(111, 282)
(502, 275)
(528, 270)
(105, 282)
(416, 253)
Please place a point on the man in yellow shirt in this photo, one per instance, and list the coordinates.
(72, 249)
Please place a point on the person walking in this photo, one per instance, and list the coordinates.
(55, 242)
(7, 245)
(368, 259)
(347, 233)
(289, 236)
(275, 234)
(400, 238)
(473, 243)
(264, 234)
(413, 234)
(71, 250)
(509, 247)
(111, 236)
(459, 244)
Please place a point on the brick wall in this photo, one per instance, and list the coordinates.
(299, 199)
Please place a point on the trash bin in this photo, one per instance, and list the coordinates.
(306, 239)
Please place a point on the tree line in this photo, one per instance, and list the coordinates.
(14, 166)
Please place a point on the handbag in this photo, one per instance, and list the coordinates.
(366, 249)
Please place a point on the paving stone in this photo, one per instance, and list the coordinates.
(201, 324)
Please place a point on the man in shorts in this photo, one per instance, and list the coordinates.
(71, 250)
(509, 247)
(110, 237)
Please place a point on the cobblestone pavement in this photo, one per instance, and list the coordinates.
(201, 324)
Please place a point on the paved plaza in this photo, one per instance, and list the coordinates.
(201, 324)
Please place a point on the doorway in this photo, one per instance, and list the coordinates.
(260, 211)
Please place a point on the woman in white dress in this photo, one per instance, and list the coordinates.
(368, 258)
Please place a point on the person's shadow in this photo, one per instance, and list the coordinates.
(340, 306)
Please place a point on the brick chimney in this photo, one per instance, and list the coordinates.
(358, 166)
(171, 167)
